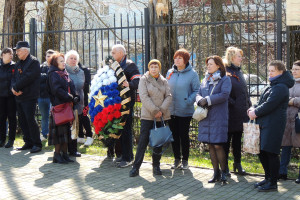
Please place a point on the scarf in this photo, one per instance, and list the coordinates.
(72, 69)
(275, 77)
(215, 77)
(64, 74)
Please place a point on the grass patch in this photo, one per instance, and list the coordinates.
(250, 162)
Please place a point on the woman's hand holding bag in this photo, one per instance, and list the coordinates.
(160, 136)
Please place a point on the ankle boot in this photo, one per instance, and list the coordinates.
(227, 171)
(66, 157)
(216, 177)
(223, 177)
(58, 159)
(239, 168)
(156, 170)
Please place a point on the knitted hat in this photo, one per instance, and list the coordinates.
(154, 61)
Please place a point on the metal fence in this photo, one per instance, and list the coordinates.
(255, 28)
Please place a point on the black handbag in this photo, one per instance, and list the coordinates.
(160, 136)
(297, 123)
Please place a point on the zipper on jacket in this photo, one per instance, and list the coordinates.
(175, 93)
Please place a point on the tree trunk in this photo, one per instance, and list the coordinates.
(163, 39)
(54, 22)
(294, 45)
(13, 22)
(217, 31)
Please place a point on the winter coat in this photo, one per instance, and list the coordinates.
(214, 128)
(77, 76)
(43, 85)
(87, 83)
(271, 112)
(58, 87)
(155, 96)
(239, 101)
(184, 87)
(132, 74)
(6, 74)
(290, 138)
(27, 79)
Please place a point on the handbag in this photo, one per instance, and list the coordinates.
(75, 126)
(62, 113)
(160, 136)
(251, 138)
(201, 113)
(297, 122)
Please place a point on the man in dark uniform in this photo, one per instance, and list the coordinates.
(26, 88)
(133, 77)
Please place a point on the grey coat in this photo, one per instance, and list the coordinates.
(184, 87)
(290, 138)
(214, 128)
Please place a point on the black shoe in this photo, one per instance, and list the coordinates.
(223, 177)
(25, 147)
(65, 156)
(2, 143)
(185, 164)
(9, 144)
(265, 181)
(75, 154)
(298, 179)
(227, 173)
(124, 164)
(157, 171)
(133, 172)
(283, 177)
(268, 187)
(118, 159)
(57, 158)
(216, 177)
(239, 168)
(35, 149)
(176, 164)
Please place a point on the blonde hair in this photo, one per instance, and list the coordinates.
(229, 55)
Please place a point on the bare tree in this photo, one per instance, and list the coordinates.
(294, 45)
(163, 39)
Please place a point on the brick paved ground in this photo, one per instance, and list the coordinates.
(34, 176)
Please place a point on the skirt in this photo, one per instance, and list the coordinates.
(58, 134)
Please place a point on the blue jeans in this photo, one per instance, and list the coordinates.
(44, 107)
(285, 159)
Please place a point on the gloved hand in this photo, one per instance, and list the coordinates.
(76, 99)
(202, 103)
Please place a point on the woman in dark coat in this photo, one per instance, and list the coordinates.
(59, 84)
(270, 114)
(7, 99)
(213, 94)
(239, 103)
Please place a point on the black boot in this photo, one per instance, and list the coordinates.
(239, 168)
(216, 177)
(58, 159)
(268, 187)
(133, 172)
(156, 170)
(265, 181)
(66, 157)
(227, 171)
(223, 177)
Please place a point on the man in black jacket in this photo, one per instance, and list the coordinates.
(133, 77)
(26, 88)
(44, 99)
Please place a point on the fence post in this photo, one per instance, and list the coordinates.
(32, 36)
(147, 37)
(279, 29)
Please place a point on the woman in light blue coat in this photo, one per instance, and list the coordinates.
(213, 95)
(184, 84)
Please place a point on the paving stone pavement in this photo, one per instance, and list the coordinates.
(34, 176)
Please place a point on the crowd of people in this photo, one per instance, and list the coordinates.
(223, 92)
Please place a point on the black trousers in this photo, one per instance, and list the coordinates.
(8, 111)
(126, 137)
(115, 148)
(84, 122)
(146, 126)
(30, 129)
(235, 139)
(271, 164)
(180, 127)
